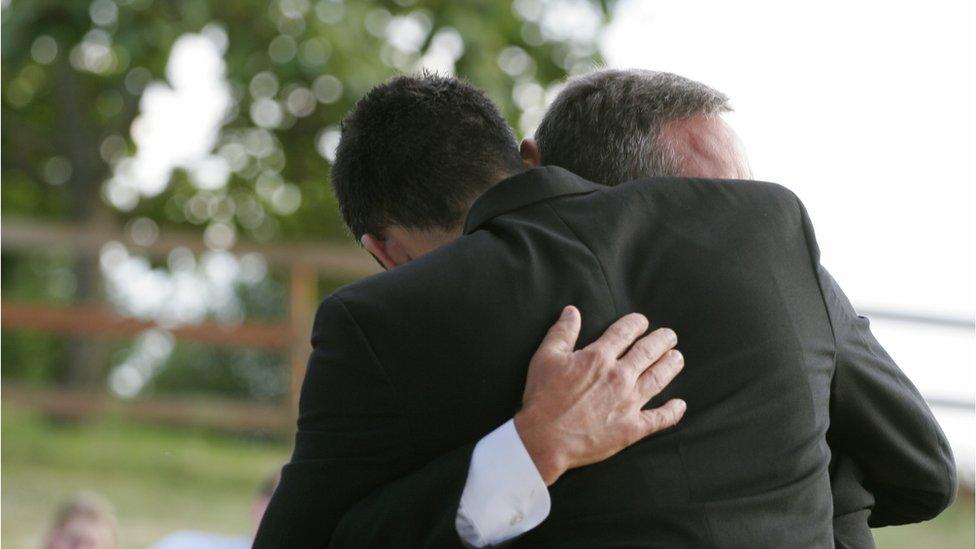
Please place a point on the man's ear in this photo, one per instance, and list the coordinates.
(531, 156)
(387, 251)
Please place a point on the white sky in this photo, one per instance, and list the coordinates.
(865, 110)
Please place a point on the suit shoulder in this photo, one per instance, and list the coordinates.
(688, 194)
(769, 198)
(762, 190)
(771, 193)
(421, 280)
(331, 317)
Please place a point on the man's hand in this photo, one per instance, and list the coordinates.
(581, 407)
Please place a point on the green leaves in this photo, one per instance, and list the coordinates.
(74, 74)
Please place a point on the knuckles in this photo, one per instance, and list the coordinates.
(637, 428)
(597, 357)
(616, 375)
(636, 325)
(628, 327)
(655, 421)
(667, 335)
(654, 382)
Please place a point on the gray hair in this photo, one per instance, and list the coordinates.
(606, 126)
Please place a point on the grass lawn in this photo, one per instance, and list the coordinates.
(159, 479)
(163, 479)
(953, 529)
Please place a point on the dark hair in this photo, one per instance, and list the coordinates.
(606, 126)
(416, 151)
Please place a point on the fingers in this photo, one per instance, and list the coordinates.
(562, 336)
(659, 375)
(649, 349)
(621, 334)
(665, 417)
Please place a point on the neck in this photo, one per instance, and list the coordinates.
(416, 242)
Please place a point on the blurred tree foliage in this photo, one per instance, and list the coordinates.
(75, 81)
(74, 70)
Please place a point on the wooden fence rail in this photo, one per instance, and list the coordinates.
(100, 322)
(305, 263)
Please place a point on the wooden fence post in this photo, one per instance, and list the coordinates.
(302, 296)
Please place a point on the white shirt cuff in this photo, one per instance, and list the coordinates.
(504, 496)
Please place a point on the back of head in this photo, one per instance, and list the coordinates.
(416, 151)
(607, 126)
(86, 520)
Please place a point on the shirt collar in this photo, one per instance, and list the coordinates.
(521, 190)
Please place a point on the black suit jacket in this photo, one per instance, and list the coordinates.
(411, 367)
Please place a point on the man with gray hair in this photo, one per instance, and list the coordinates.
(615, 126)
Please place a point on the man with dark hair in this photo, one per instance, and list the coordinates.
(443, 340)
(578, 407)
(434, 197)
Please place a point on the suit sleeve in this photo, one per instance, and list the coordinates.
(879, 419)
(418, 510)
(352, 436)
(852, 504)
(481, 497)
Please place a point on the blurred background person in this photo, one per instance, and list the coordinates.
(86, 521)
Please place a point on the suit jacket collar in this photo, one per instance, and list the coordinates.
(521, 190)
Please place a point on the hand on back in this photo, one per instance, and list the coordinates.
(581, 407)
